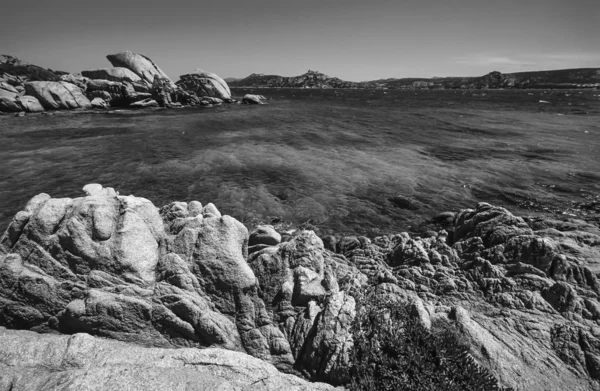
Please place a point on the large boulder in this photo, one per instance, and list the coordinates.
(112, 74)
(57, 95)
(35, 362)
(139, 64)
(205, 84)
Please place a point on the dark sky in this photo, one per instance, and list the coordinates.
(353, 40)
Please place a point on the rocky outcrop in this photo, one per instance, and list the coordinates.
(205, 84)
(57, 95)
(139, 64)
(523, 291)
(31, 361)
(251, 99)
(115, 266)
(112, 74)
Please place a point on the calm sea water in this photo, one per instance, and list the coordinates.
(330, 158)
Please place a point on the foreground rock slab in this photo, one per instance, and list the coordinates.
(31, 361)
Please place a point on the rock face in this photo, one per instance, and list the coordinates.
(112, 74)
(139, 64)
(57, 95)
(523, 292)
(31, 361)
(205, 84)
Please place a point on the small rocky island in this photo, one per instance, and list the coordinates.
(108, 284)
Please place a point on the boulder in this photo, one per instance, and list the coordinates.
(57, 95)
(264, 234)
(205, 84)
(250, 99)
(99, 103)
(139, 64)
(113, 74)
(30, 104)
(20, 103)
(36, 362)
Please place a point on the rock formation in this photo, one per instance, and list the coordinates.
(139, 64)
(17, 103)
(57, 95)
(115, 266)
(523, 291)
(250, 99)
(205, 84)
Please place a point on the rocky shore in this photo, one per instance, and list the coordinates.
(134, 81)
(522, 291)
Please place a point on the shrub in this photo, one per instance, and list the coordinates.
(393, 351)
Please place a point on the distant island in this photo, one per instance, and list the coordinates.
(564, 78)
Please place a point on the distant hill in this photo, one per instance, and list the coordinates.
(232, 79)
(563, 78)
(311, 79)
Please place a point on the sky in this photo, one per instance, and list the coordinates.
(352, 40)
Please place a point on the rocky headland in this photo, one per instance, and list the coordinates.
(148, 285)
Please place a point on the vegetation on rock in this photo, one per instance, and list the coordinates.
(393, 350)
